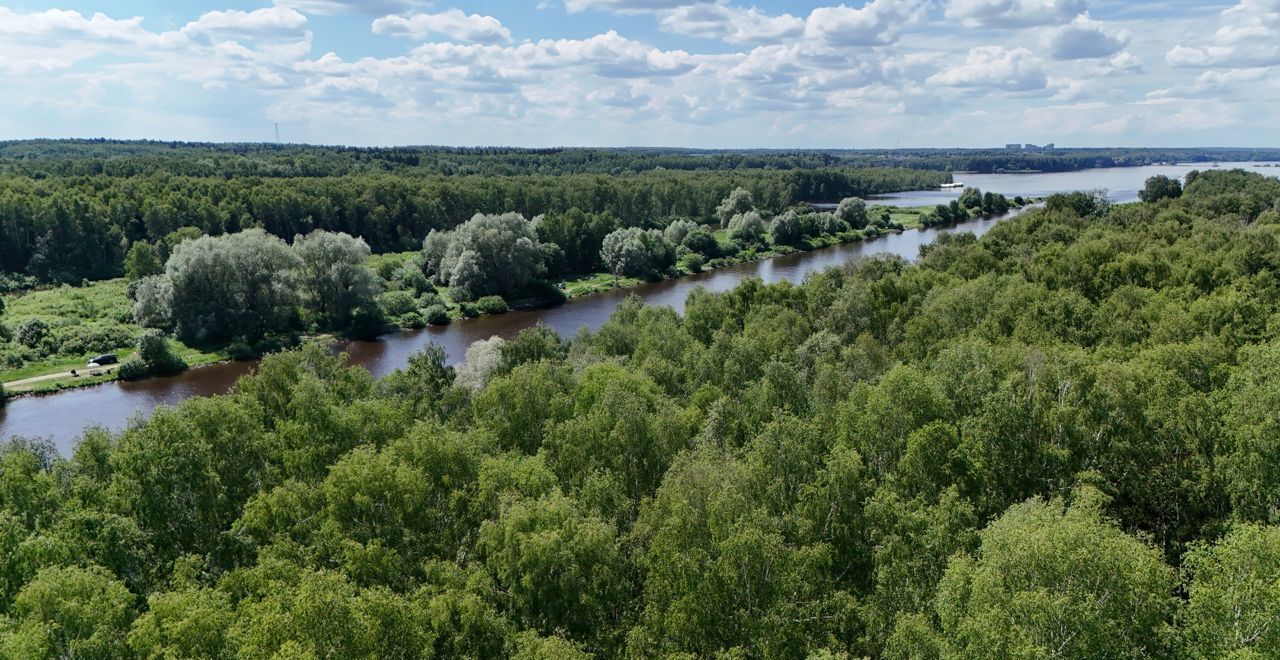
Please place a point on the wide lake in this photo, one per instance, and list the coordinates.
(63, 417)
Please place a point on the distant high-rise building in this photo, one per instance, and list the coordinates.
(1013, 146)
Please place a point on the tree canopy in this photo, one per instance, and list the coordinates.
(1053, 440)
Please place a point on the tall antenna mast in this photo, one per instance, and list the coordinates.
(277, 132)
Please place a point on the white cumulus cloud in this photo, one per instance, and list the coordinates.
(734, 25)
(1248, 36)
(453, 24)
(995, 67)
(878, 22)
(1014, 13)
(1085, 38)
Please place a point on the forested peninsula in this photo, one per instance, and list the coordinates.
(1056, 440)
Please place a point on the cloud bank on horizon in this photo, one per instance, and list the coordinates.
(705, 73)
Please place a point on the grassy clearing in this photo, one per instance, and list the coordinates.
(83, 322)
(583, 285)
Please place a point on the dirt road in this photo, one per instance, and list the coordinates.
(84, 373)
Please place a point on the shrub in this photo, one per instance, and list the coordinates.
(31, 332)
(132, 369)
(702, 242)
(828, 223)
(411, 278)
(1160, 187)
(12, 357)
(486, 255)
(693, 261)
(158, 355)
(240, 350)
(10, 282)
(367, 321)
(95, 338)
(397, 303)
(274, 344)
(412, 320)
(428, 299)
(469, 310)
(492, 305)
(545, 293)
(436, 315)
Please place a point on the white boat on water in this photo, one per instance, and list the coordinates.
(949, 186)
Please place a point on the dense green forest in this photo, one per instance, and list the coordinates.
(77, 227)
(1058, 440)
(45, 158)
(72, 209)
(245, 293)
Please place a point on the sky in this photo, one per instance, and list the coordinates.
(685, 73)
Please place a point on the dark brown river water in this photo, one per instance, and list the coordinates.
(63, 417)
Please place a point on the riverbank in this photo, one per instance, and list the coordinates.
(106, 303)
(64, 417)
(53, 375)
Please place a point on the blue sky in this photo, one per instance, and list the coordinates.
(702, 73)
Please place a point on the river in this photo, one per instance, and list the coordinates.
(63, 417)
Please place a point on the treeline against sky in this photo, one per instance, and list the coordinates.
(1058, 440)
(42, 158)
(81, 227)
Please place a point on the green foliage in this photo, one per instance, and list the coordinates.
(561, 571)
(1234, 597)
(579, 235)
(534, 344)
(702, 242)
(71, 612)
(133, 368)
(240, 285)
(1056, 440)
(678, 230)
(786, 229)
(492, 305)
(1056, 579)
(333, 276)
(436, 315)
(488, 254)
(31, 332)
(1160, 187)
(142, 261)
(634, 252)
(156, 356)
(739, 201)
(747, 228)
(853, 212)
